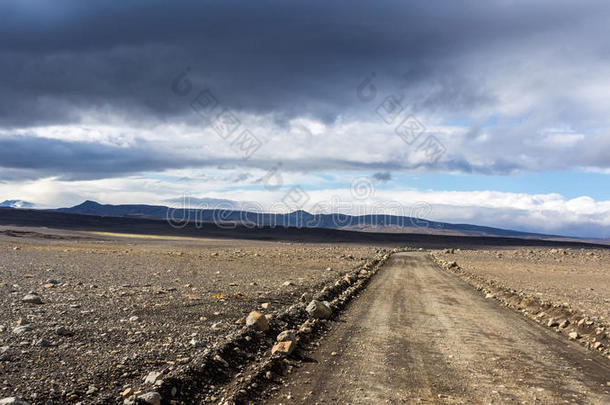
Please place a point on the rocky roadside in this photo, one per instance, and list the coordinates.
(592, 333)
(238, 369)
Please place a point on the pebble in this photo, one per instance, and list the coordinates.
(32, 299)
(13, 401)
(22, 329)
(152, 377)
(63, 331)
(42, 342)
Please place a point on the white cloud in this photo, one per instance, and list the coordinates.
(545, 213)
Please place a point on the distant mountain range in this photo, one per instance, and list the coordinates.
(227, 215)
(16, 204)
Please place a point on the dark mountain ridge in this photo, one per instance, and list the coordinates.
(299, 219)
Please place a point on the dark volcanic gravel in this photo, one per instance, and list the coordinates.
(114, 310)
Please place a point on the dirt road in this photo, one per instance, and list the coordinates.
(420, 335)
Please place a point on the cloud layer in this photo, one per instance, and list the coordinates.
(99, 91)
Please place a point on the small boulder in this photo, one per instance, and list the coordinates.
(285, 347)
(257, 321)
(319, 309)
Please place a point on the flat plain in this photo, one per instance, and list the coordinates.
(114, 309)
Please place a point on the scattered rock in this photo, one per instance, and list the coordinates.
(134, 318)
(221, 360)
(13, 401)
(63, 331)
(287, 284)
(573, 335)
(127, 392)
(257, 321)
(287, 335)
(152, 398)
(265, 305)
(319, 309)
(32, 299)
(4, 353)
(42, 342)
(284, 347)
(22, 329)
(152, 377)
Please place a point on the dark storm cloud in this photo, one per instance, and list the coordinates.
(65, 61)
(289, 58)
(25, 157)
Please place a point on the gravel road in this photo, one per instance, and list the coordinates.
(419, 335)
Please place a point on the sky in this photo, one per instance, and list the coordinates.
(493, 113)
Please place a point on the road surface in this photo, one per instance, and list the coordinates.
(421, 335)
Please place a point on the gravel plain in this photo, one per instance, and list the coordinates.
(87, 317)
(579, 278)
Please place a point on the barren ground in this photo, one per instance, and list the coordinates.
(115, 309)
(577, 277)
